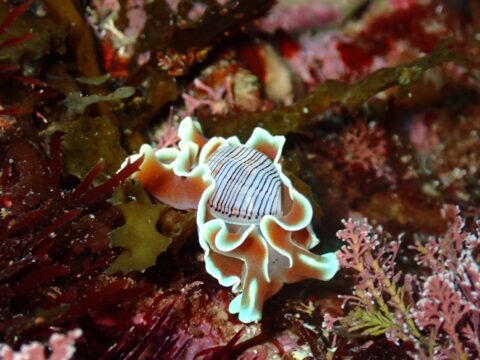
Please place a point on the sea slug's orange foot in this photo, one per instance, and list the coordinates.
(253, 225)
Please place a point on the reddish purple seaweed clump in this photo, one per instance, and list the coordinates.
(362, 149)
(436, 311)
(54, 241)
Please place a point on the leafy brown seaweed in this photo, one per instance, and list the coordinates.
(88, 139)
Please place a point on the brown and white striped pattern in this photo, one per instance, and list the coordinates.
(248, 185)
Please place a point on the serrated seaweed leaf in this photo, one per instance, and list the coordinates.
(139, 237)
(176, 225)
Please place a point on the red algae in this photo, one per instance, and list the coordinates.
(382, 33)
(36, 238)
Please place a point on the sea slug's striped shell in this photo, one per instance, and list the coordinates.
(248, 185)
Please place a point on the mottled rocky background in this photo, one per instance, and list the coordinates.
(379, 101)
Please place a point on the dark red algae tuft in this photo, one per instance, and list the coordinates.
(54, 243)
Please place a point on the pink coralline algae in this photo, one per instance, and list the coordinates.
(420, 134)
(299, 16)
(317, 58)
(438, 312)
(449, 302)
(226, 86)
(61, 347)
(400, 35)
(167, 135)
(363, 148)
(217, 98)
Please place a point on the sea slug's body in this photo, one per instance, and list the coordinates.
(253, 225)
